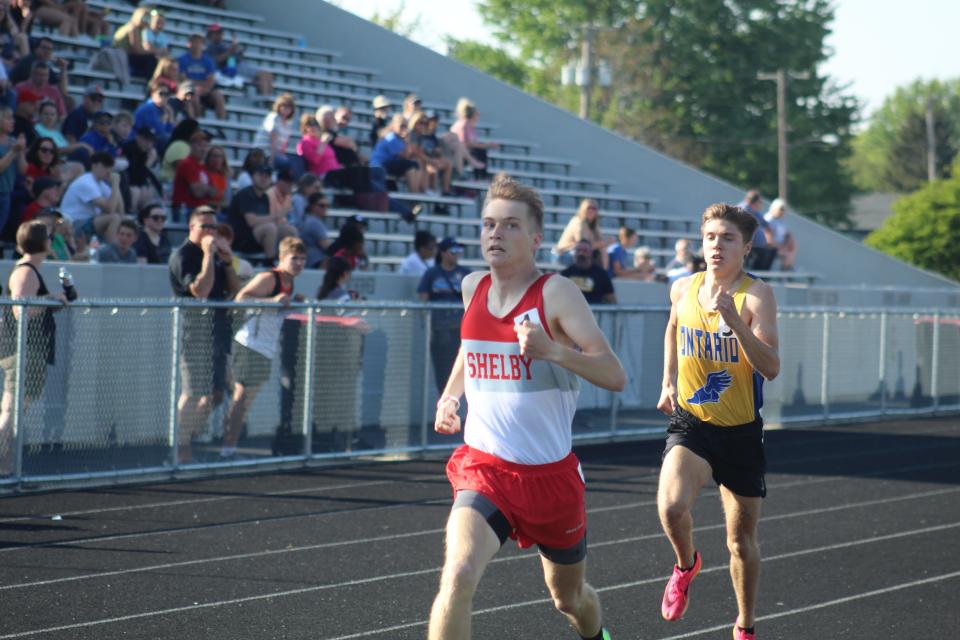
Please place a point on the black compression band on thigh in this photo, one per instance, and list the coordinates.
(485, 507)
(570, 555)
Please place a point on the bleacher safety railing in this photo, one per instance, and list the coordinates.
(111, 392)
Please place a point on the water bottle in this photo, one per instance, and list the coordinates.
(93, 248)
(66, 281)
(231, 69)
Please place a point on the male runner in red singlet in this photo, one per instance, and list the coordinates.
(720, 344)
(526, 337)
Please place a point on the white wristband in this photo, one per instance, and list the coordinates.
(448, 397)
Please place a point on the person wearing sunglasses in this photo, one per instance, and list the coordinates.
(153, 244)
(156, 114)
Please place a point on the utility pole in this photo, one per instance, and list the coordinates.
(586, 72)
(780, 77)
(931, 144)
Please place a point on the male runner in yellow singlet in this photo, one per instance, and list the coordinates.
(720, 343)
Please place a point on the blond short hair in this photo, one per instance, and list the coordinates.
(291, 245)
(505, 187)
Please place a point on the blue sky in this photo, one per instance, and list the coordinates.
(878, 44)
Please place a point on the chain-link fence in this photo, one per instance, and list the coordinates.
(103, 390)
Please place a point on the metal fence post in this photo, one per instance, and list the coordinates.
(308, 359)
(825, 367)
(935, 369)
(615, 397)
(18, 408)
(174, 417)
(883, 363)
(424, 402)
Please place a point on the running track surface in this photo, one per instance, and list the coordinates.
(860, 536)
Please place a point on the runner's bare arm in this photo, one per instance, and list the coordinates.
(568, 315)
(759, 340)
(668, 392)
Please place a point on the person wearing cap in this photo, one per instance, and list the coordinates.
(249, 214)
(46, 193)
(779, 235)
(78, 121)
(197, 66)
(25, 114)
(92, 202)
(156, 114)
(528, 338)
(222, 53)
(61, 239)
(381, 118)
(39, 81)
(590, 278)
(191, 184)
(141, 154)
(12, 161)
(100, 135)
(443, 282)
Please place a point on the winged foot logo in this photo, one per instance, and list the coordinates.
(717, 383)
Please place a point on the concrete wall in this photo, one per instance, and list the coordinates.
(639, 170)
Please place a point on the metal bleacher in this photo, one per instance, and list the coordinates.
(317, 76)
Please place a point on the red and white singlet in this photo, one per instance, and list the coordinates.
(520, 409)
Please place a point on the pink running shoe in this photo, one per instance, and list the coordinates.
(743, 634)
(675, 598)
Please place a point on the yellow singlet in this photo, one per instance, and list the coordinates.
(714, 380)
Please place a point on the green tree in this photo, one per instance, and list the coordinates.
(925, 228)
(891, 154)
(685, 82)
(393, 20)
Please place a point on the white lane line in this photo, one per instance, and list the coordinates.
(661, 579)
(828, 603)
(293, 592)
(190, 501)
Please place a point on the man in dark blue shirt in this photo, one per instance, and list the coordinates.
(442, 283)
(99, 137)
(78, 121)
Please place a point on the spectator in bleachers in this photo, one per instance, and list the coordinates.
(25, 114)
(153, 244)
(584, 225)
(620, 256)
(422, 256)
(191, 182)
(439, 169)
(335, 279)
(46, 193)
(44, 12)
(122, 127)
(78, 121)
(275, 131)
(307, 185)
(381, 118)
(141, 154)
(218, 170)
(762, 254)
(465, 129)
(121, 250)
(255, 158)
(155, 39)
(42, 160)
(392, 154)
(350, 246)
(590, 278)
(200, 68)
(130, 37)
(443, 283)
(39, 82)
(156, 114)
(692, 264)
(178, 148)
(318, 156)
(99, 136)
(61, 242)
(644, 265)
(249, 214)
(281, 197)
(12, 162)
(202, 269)
(681, 252)
(43, 51)
(48, 126)
(13, 43)
(780, 236)
(242, 266)
(223, 54)
(92, 202)
(89, 21)
(167, 73)
(184, 102)
(255, 344)
(313, 230)
(331, 124)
